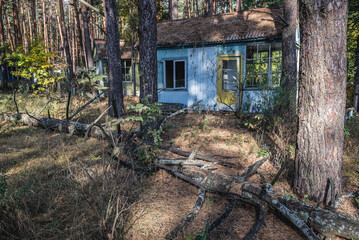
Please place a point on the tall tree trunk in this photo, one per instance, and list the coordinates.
(115, 93)
(209, 10)
(322, 92)
(23, 20)
(29, 22)
(52, 47)
(87, 37)
(33, 18)
(173, 4)
(17, 30)
(356, 78)
(289, 70)
(70, 73)
(61, 45)
(214, 6)
(2, 41)
(147, 32)
(239, 5)
(46, 36)
(9, 33)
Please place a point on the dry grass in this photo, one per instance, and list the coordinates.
(55, 190)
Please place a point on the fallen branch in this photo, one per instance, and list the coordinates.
(43, 107)
(85, 105)
(251, 170)
(221, 218)
(258, 224)
(283, 210)
(192, 214)
(198, 156)
(181, 162)
(94, 122)
(163, 121)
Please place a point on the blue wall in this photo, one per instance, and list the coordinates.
(201, 76)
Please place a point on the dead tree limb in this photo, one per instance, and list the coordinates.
(199, 156)
(163, 121)
(324, 221)
(85, 105)
(95, 122)
(192, 214)
(47, 103)
(68, 105)
(251, 170)
(258, 224)
(221, 218)
(17, 108)
(181, 162)
(347, 195)
(283, 210)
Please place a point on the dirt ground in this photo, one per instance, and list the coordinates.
(55, 190)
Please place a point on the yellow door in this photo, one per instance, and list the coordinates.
(229, 83)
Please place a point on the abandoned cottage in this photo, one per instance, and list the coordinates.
(229, 61)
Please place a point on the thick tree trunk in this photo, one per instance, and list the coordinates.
(9, 33)
(147, 32)
(70, 73)
(322, 89)
(356, 78)
(88, 48)
(2, 41)
(33, 17)
(60, 46)
(115, 93)
(289, 70)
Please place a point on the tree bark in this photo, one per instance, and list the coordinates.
(2, 42)
(17, 30)
(23, 21)
(33, 17)
(46, 35)
(289, 70)
(209, 10)
(70, 73)
(322, 90)
(115, 94)
(356, 78)
(147, 32)
(88, 48)
(173, 5)
(79, 32)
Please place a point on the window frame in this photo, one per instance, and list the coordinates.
(174, 74)
(123, 70)
(269, 73)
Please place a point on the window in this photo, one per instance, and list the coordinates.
(126, 70)
(175, 74)
(229, 74)
(264, 65)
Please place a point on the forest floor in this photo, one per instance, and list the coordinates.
(55, 188)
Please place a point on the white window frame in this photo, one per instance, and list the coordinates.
(269, 73)
(174, 73)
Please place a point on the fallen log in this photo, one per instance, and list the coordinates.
(324, 221)
(192, 214)
(283, 210)
(181, 162)
(75, 128)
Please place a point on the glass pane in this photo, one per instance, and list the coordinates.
(230, 64)
(229, 75)
(229, 85)
(276, 79)
(169, 74)
(264, 66)
(263, 51)
(104, 68)
(252, 52)
(276, 67)
(180, 74)
(276, 49)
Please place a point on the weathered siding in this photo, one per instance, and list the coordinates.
(201, 65)
(201, 77)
